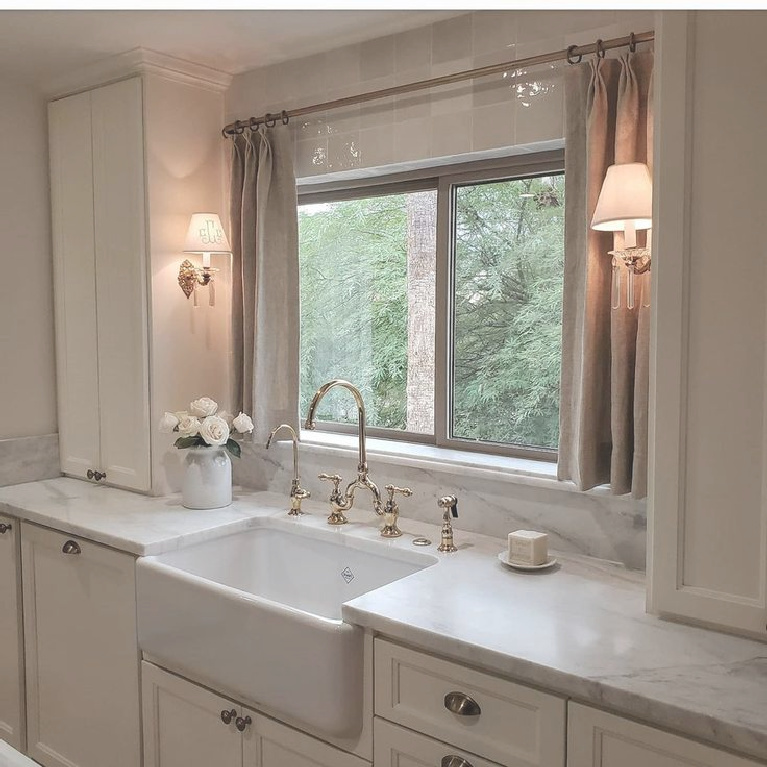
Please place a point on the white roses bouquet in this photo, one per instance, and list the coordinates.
(203, 425)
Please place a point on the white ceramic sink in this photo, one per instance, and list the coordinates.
(258, 614)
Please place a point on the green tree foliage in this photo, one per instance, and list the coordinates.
(508, 298)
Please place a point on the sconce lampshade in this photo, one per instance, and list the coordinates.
(625, 202)
(206, 235)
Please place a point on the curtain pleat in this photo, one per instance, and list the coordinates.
(604, 384)
(265, 286)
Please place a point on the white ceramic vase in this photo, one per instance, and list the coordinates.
(207, 478)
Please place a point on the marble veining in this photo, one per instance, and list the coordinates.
(27, 459)
(579, 630)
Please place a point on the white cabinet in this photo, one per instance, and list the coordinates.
(99, 246)
(188, 726)
(82, 658)
(501, 721)
(599, 739)
(11, 656)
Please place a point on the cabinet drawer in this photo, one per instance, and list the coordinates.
(515, 726)
(397, 747)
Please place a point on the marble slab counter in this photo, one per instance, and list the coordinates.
(135, 523)
(579, 629)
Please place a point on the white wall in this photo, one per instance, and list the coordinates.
(190, 345)
(492, 113)
(27, 380)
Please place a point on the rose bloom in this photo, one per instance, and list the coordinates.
(243, 423)
(188, 425)
(168, 423)
(214, 430)
(203, 407)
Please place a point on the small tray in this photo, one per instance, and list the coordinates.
(504, 557)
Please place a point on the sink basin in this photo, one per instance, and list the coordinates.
(258, 614)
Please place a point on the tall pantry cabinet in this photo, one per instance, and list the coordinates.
(130, 162)
(97, 197)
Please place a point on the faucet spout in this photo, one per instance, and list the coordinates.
(362, 465)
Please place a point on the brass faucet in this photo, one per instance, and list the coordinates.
(341, 502)
(297, 493)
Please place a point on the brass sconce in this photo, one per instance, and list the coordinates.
(205, 236)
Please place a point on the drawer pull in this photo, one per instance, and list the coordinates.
(452, 760)
(241, 723)
(72, 547)
(460, 703)
(4, 528)
(227, 716)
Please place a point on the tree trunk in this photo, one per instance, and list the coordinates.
(421, 261)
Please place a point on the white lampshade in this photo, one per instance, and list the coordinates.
(625, 202)
(206, 235)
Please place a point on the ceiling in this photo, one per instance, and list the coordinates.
(36, 46)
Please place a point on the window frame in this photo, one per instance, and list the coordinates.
(444, 179)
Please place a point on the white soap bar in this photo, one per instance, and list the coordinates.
(528, 547)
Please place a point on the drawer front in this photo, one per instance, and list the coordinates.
(504, 722)
(397, 747)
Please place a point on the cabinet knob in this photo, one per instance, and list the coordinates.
(97, 475)
(463, 705)
(72, 547)
(227, 716)
(453, 760)
(4, 528)
(89, 474)
(241, 723)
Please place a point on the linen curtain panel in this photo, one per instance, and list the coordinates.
(265, 287)
(605, 351)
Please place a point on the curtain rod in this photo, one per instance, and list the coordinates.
(572, 54)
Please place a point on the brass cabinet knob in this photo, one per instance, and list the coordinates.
(462, 704)
(453, 760)
(72, 547)
(4, 528)
(242, 723)
(227, 716)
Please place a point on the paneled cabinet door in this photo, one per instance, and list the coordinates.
(267, 743)
(186, 725)
(598, 739)
(82, 657)
(11, 658)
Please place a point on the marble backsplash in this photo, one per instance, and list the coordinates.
(593, 523)
(27, 459)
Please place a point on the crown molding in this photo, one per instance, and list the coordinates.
(138, 61)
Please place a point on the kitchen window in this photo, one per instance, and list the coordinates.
(439, 295)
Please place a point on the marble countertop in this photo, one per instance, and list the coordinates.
(579, 629)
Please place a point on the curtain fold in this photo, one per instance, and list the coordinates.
(605, 352)
(265, 279)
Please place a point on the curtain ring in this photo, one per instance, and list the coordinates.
(270, 120)
(253, 123)
(238, 128)
(600, 49)
(285, 117)
(632, 43)
(570, 57)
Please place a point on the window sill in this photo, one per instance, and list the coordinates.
(417, 455)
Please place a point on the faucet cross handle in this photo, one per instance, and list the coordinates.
(391, 512)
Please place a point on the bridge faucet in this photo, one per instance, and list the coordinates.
(297, 493)
(341, 502)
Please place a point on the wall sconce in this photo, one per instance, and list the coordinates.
(205, 236)
(625, 204)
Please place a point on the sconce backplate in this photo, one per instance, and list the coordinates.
(187, 277)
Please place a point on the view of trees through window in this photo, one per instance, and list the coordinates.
(368, 308)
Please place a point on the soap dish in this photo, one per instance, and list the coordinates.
(504, 557)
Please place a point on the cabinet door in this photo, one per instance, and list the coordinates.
(11, 658)
(81, 652)
(121, 282)
(598, 739)
(74, 265)
(267, 743)
(184, 724)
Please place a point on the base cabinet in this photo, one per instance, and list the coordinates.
(188, 726)
(82, 659)
(11, 656)
(598, 739)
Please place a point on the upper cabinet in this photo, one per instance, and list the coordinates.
(99, 246)
(708, 510)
